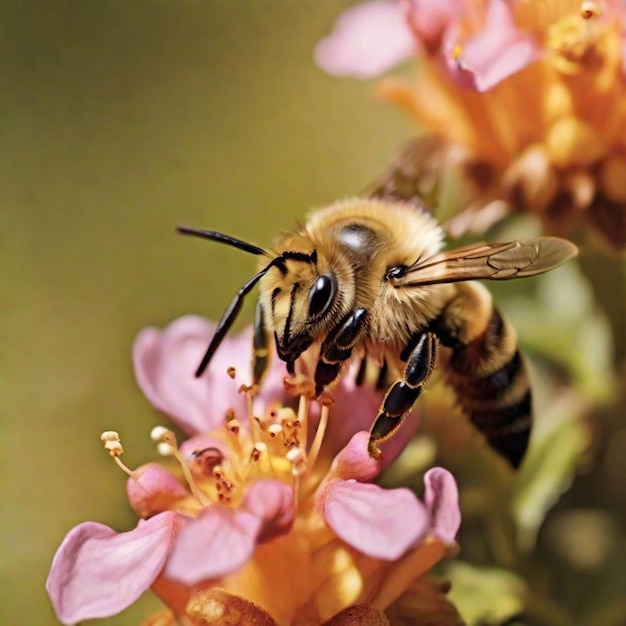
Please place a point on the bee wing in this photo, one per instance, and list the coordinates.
(497, 261)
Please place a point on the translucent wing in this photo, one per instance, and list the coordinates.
(497, 261)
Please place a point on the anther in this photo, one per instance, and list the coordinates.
(233, 426)
(112, 443)
(167, 446)
(589, 10)
(274, 430)
(160, 434)
(223, 486)
(296, 457)
(232, 372)
(165, 440)
(457, 56)
(165, 449)
(257, 451)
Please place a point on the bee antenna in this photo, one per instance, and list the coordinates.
(213, 235)
(231, 313)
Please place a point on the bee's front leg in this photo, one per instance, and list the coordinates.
(337, 348)
(403, 393)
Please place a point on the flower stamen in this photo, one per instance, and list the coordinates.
(457, 56)
(590, 10)
(249, 391)
(168, 446)
(113, 445)
(298, 467)
(304, 405)
(319, 437)
(223, 486)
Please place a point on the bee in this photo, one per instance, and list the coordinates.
(367, 277)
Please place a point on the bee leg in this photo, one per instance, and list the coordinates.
(260, 340)
(403, 393)
(337, 348)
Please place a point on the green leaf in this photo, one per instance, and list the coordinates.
(562, 323)
(559, 439)
(485, 595)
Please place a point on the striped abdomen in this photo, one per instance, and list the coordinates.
(487, 370)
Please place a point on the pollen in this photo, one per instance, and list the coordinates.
(298, 461)
(590, 10)
(168, 446)
(232, 372)
(274, 430)
(112, 443)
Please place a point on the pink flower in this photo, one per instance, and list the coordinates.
(165, 362)
(259, 512)
(495, 52)
(368, 39)
(478, 45)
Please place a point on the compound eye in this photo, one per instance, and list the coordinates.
(321, 295)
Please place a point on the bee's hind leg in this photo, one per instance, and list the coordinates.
(403, 393)
(337, 348)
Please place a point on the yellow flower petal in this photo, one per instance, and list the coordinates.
(572, 142)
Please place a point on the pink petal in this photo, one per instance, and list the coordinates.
(217, 543)
(367, 40)
(97, 572)
(499, 50)
(430, 19)
(165, 362)
(442, 501)
(152, 489)
(354, 461)
(272, 501)
(382, 523)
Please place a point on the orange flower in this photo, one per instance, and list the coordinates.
(528, 99)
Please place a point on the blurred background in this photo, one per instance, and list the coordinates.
(119, 120)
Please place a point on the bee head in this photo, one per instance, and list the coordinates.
(298, 300)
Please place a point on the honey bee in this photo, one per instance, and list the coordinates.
(367, 277)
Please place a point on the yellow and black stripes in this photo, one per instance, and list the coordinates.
(487, 370)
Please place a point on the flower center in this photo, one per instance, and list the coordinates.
(576, 40)
(223, 465)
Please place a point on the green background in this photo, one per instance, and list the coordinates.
(120, 119)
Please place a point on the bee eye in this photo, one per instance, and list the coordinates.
(321, 295)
